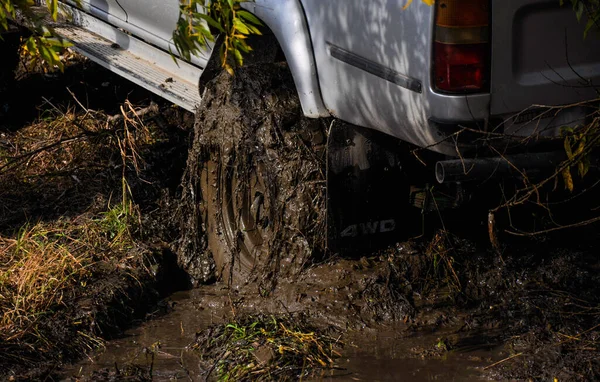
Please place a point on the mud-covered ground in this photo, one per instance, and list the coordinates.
(439, 307)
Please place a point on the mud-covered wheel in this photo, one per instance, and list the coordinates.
(257, 173)
(238, 218)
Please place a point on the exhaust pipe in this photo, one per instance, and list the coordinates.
(462, 170)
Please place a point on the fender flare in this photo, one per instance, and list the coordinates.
(285, 18)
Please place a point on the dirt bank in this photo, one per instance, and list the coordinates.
(82, 255)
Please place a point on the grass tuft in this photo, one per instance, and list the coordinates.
(37, 268)
(260, 348)
(48, 262)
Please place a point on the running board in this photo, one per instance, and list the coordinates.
(131, 58)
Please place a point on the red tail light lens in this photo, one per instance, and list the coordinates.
(461, 68)
(462, 49)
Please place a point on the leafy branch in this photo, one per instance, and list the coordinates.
(589, 8)
(198, 20)
(42, 46)
(580, 143)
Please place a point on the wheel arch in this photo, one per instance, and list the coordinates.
(285, 18)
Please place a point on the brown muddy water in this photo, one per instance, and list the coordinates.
(160, 348)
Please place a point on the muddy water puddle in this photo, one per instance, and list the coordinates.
(158, 349)
(159, 346)
(386, 355)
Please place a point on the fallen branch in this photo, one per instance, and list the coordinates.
(152, 109)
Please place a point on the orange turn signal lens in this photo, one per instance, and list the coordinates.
(462, 13)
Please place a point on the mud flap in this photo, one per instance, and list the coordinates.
(367, 191)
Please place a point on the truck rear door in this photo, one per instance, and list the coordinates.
(540, 56)
(156, 17)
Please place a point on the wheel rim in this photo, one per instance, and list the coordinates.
(244, 219)
(247, 213)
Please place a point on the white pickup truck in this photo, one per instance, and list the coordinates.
(404, 72)
(439, 77)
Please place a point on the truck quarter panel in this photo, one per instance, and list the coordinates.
(373, 63)
(286, 20)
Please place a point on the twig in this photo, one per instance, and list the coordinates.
(32, 153)
(79, 103)
(502, 361)
(574, 225)
(152, 109)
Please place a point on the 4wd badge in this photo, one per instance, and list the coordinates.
(369, 228)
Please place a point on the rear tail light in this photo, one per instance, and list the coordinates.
(462, 46)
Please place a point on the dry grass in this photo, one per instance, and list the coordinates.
(38, 267)
(65, 162)
(49, 262)
(70, 148)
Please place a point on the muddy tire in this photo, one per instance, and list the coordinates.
(257, 170)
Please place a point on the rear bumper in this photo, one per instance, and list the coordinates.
(514, 133)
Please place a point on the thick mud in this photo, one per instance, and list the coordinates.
(252, 146)
(527, 315)
(165, 348)
(438, 308)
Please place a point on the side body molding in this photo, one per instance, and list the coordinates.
(286, 20)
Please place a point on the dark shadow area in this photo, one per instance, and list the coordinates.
(33, 94)
(47, 103)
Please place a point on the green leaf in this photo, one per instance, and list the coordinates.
(211, 21)
(241, 45)
(580, 146)
(579, 11)
(249, 16)
(53, 8)
(585, 167)
(240, 26)
(568, 150)
(238, 57)
(254, 30)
